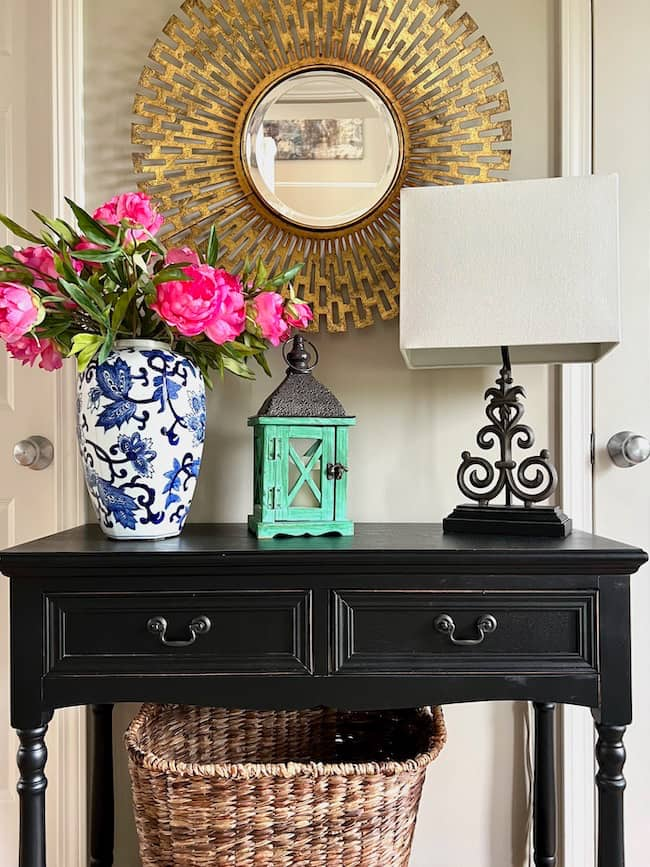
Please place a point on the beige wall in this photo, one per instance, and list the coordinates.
(412, 426)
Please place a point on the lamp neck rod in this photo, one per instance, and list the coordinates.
(505, 356)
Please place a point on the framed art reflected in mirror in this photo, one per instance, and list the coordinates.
(294, 126)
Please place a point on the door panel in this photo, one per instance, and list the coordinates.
(28, 398)
(622, 379)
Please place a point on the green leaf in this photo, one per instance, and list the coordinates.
(106, 347)
(286, 276)
(246, 270)
(254, 340)
(148, 290)
(122, 307)
(92, 289)
(242, 349)
(152, 245)
(112, 273)
(16, 275)
(261, 273)
(64, 268)
(85, 357)
(83, 340)
(97, 255)
(49, 241)
(141, 262)
(263, 363)
(19, 231)
(93, 230)
(169, 273)
(51, 298)
(52, 329)
(237, 367)
(59, 227)
(80, 298)
(7, 257)
(85, 347)
(212, 255)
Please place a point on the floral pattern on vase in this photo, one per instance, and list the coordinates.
(141, 432)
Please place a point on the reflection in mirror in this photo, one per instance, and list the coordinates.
(321, 148)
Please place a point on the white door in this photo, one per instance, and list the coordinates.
(622, 380)
(32, 503)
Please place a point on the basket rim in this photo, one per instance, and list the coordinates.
(252, 770)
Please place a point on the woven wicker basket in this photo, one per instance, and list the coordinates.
(315, 788)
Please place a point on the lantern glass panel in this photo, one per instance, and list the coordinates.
(305, 493)
(305, 469)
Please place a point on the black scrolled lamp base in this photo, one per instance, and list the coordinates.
(532, 480)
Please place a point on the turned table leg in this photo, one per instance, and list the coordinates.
(102, 821)
(610, 754)
(544, 797)
(32, 755)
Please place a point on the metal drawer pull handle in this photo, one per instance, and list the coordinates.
(486, 624)
(198, 626)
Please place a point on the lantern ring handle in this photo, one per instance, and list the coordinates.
(302, 369)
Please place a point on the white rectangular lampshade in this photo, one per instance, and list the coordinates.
(533, 265)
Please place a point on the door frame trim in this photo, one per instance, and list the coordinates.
(67, 768)
(578, 805)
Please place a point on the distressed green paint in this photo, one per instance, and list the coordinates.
(276, 510)
(341, 491)
(299, 528)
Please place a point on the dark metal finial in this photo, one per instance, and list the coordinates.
(298, 358)
(507, 367)
(534, 479)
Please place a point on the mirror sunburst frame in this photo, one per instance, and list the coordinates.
(423, 58)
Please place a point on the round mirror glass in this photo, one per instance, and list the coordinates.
(321, 148)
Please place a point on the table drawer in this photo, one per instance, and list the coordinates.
(256, 631)
(429, 631)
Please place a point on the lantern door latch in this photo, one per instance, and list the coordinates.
(335, 471)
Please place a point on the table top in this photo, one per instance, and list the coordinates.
(414, 544)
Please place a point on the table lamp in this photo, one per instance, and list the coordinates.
(524, 272)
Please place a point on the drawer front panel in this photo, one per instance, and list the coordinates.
(429, 631)
(255, 632)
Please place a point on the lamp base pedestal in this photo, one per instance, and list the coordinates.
(547, 521)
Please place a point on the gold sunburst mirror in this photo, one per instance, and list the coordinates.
(294, 126)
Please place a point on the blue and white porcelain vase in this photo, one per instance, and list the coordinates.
(141, 432)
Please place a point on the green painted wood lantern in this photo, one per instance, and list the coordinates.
(300, 437)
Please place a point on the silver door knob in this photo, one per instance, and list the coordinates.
(35, 453)
(626, 449)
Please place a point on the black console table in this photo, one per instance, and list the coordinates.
(397, 616)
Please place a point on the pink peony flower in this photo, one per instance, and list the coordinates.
(298, 314)
(267, 309)
(229, 320)
(190, 305)
(27, 349)
(137, 209)
(19, 311)
(182, 254)
(42, 259)
(51, 358)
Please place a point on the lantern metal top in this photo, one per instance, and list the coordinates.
(301, 395)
